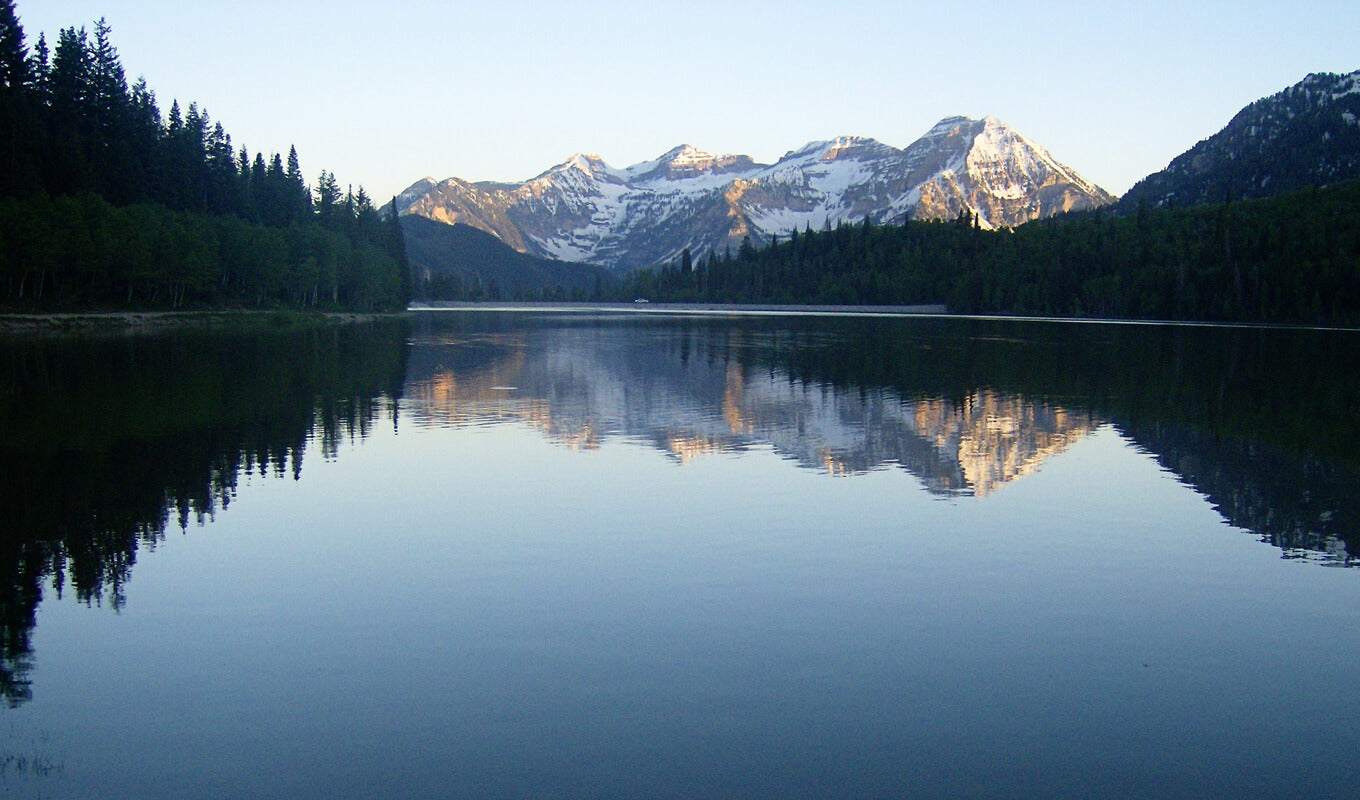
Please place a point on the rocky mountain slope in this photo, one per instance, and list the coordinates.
(587, 211)
(1306, 135)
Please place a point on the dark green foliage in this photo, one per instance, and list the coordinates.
(78, 147)
(82, 252)
(114, 441)
(1303, 136)
(459, 262)
(13, 52)
(1289, 259)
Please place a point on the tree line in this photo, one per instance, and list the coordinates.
(105, 201)
(1289, 259)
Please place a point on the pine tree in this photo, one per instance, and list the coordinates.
(275, 208)
(111, 152)
(69, 119)
(327, 197)
(365, 215)
(14, 66)
(190, 159)
(40, 70)
(222, 194)
(108, 83)
(299, 197)
(70, 76)
(395, 242)
(14, 100)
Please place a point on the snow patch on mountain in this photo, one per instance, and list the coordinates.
(648, 213)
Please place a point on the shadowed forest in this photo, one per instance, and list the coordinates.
(1290, 259)
(106, 202)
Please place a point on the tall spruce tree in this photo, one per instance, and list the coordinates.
(109, 149)
(299, 196)
(14, 105)
(395, 242)
(39, 70)
(13, 51)
(327, 197)
(68, 119)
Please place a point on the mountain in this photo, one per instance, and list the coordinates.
(1307, 135)
(445, 257)
(587, 211)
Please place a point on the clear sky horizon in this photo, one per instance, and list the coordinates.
(385, 94)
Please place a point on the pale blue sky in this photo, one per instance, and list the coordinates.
(385, 93)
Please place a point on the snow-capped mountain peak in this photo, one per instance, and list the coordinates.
(688, 155)
(646, 214)
(686, 161)
(949, 126)
(588, 163)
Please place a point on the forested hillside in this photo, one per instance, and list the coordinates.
(1306, 135)
(460, 262)
(1292, 259)
(107, 202)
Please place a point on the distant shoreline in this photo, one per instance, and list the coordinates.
(758, 309)
(131, 323)
(647, 307)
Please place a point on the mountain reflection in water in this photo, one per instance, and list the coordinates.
(1260, 421)
(108, 442)
(583, 385)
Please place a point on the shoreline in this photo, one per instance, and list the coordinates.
(938, 311)
(130, 323)
(649, 307)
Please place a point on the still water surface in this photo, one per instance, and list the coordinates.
(533, 555)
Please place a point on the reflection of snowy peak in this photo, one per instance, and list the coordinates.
(646, 214)
(582, 387)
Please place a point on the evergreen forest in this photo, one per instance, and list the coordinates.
(1288, 259)
(108, 203)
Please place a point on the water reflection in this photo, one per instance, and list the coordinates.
(109, 442)
(706, 393)
(1305, 506)
(1260, 421)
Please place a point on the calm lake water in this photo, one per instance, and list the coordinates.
(506, 555)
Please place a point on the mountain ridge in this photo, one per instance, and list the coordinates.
(1305, 135)
(645, 214)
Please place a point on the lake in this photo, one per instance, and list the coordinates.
(612, 555)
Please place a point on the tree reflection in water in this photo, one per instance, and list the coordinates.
(109, 442)
(1260, 421)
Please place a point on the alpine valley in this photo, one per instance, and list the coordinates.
(584, 210)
